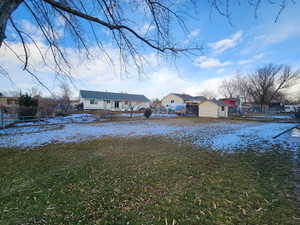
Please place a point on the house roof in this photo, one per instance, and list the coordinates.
(186, 97)
(113, 96)
(229, 99)
(219, 103)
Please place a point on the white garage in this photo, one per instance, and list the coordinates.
(213, 108)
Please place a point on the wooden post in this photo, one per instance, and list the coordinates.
(283, 132)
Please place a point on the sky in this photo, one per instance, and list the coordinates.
(242, 45)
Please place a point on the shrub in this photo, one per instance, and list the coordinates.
(27, 107)
(61, 114)
(147, 113)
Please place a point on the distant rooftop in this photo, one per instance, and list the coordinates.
(187, 97)
(103, 95)
(220, 103)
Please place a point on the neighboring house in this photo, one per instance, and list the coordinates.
(232, 103)
(113, 101)
(276, 106)
(73, 103)
(291, 108)
(9, 104)
(8, 101)
(213, 108)
(176, 101)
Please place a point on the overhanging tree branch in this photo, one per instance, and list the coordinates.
(116, 27)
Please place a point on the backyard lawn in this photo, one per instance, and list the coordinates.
(145, 180)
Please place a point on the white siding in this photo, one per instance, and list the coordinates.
(101, 104)
(171, 101)
(210, 109)
(223, 113)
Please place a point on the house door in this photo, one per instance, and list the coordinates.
(116, 104)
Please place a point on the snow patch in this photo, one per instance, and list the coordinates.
(218, 136)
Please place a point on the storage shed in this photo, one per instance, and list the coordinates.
(213, 108)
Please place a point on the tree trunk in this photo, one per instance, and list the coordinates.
(6, 9)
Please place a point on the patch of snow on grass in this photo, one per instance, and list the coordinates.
(27, 130)
(219, 136)
(74, 118)
(260, 135)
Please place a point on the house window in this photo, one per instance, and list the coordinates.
(116, 104)
(93, 101)
(172, 101)
(107, 101)
(223, 108)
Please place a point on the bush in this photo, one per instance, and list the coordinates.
(61, 114)
(147, 113)
(27, 113)
(27, 107)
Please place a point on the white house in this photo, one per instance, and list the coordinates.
(213, 108)
(188, 102)
(175, 99)
(291, 108)
(113, 101)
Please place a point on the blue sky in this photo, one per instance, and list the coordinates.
(243, 45)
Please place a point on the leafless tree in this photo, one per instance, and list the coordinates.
(228, 88)
(47, 106)
(268, 82)
(85, 21)
(235, 87)
(64, 102)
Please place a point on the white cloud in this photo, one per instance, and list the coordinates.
(205, 62)
(219, 71)
(259, 56)
(146, 28)
(253, 59)
(245, 61)
(225, 44)
(97, 74)
(279, 34)
(194, 33)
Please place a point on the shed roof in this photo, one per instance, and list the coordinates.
(219, 103)
(103, 95)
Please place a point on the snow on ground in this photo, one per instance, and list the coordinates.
(74, 118)
(260, 136)
(85, 118)
(153, 115)
(218, 136)
(27, 130)
(270, 116)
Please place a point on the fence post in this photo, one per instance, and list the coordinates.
(2, 117)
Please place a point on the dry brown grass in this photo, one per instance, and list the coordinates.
(147, 180)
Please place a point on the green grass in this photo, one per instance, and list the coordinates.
(144, 181)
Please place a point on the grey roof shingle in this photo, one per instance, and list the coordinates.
(113, 96)
(216, 102)
(187, 97)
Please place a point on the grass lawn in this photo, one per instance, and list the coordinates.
(147, 180)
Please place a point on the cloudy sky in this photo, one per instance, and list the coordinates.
(244, 45)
